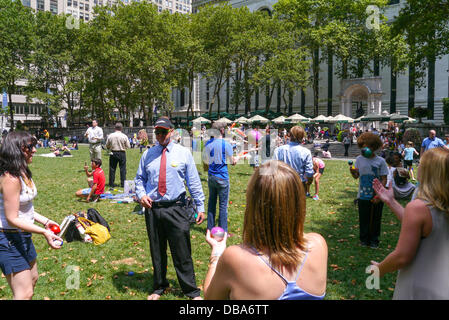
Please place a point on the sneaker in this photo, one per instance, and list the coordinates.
(315, 197)
(307, 194)
(374, 245)
(363, 244)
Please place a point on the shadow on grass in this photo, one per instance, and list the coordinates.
(125, 281)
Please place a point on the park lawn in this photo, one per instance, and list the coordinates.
(103, 270)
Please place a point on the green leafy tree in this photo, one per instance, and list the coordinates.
(16, 34)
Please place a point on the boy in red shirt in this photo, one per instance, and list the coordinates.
(96, 184)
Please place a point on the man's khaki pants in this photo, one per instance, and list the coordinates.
(95, 151)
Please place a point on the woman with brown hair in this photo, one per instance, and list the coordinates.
(277, 260)
(17, 215)
(422, 252)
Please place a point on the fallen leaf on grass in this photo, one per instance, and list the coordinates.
(331, 212)
(93, 261)
(127, 261)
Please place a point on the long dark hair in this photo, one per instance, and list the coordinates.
(12, 157)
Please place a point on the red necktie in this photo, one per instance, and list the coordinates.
(162, 186)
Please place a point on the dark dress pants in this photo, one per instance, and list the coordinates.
(120, 159)
(171, 225)
(370, 216)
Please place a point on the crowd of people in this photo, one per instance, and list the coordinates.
(274, 245)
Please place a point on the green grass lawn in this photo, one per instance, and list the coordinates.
(103, 270)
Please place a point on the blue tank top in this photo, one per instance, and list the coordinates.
(292, 290)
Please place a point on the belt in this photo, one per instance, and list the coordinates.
(12, 231)
(118, 151)
(166, 204)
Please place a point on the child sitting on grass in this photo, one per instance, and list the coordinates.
(96, 183)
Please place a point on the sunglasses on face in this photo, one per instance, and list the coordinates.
(161, 131)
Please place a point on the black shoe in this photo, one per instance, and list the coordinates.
(374, 245)
(364, 244)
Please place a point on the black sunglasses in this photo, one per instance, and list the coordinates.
(161, 131)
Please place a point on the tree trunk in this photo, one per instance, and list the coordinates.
(316, 74)
(11, 107)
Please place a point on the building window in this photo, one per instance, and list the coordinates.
(54, 6)
(26, 3)
(40, 5)
(75, 4)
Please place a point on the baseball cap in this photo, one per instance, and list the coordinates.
(163, 123)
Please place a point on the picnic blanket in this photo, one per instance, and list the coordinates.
(52, 155)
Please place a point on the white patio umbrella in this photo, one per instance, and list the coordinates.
(201, 120)
(397, 117)
(320, 118)
(258, 118)
(297, 118)
(279, 120)
(241, 120)
(410, 120)
(224, 120)
(341, 118)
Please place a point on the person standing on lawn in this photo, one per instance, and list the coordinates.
(422, 251)
(432, 141)
(298, 157)
(94, 135)
(318, 168)
(160, 187)
(408, 154)
(117, 143)
(17, 216)
(369, 166)
(215, 155)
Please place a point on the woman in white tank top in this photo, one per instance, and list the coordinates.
(422, 252)
(17, 215)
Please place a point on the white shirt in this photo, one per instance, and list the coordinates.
(94, 135)
(26, 208)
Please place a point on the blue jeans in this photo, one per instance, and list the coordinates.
(218, 187)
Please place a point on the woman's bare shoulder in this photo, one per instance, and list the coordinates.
(9, 181)
(317, 241)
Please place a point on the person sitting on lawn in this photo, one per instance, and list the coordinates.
(285, 262)
(96, 181)
(398, 177)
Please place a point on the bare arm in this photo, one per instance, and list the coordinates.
(414, 220)
(387, 196)
(11, 188)
(216, 282)
(92, 192)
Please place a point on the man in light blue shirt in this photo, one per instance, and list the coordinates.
(160, 189)
(432, 142)
(215, 154)
(296, 156)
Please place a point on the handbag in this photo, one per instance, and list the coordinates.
(99, 233)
